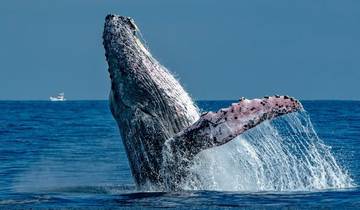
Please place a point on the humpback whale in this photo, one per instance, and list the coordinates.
(155, 114)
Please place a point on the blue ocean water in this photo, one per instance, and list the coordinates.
(69, 154)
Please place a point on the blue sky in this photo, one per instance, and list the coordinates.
(218, 49)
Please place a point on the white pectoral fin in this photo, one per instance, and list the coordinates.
(217, 128)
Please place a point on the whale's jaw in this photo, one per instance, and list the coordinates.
(147, 102)
(156, 116)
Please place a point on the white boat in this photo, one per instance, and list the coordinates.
(60, 97)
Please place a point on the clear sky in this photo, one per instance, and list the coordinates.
(218, 49)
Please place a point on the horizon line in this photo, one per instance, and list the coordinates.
(67, 100)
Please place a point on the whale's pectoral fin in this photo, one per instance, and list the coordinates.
(217, 128)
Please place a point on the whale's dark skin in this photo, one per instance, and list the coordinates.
(155, 114)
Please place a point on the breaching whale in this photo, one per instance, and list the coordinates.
(154, 113)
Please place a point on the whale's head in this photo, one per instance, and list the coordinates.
(141, 88)
(128, 61)
(138, 81)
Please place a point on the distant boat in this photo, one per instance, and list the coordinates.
(60, 97)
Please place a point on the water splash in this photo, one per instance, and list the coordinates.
(282, 155)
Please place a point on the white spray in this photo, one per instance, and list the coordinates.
(283, 155)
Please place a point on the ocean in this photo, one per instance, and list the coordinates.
(70, 155)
